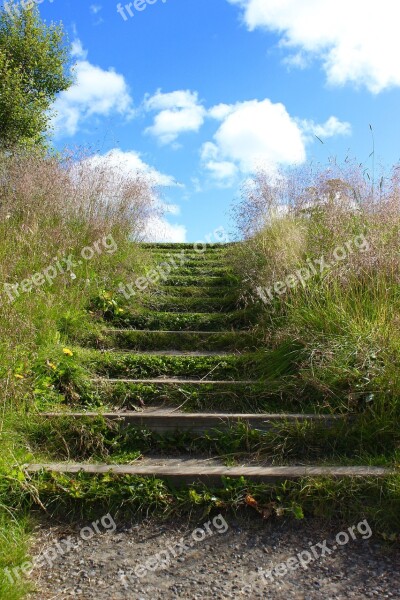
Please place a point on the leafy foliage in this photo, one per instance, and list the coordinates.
(33, 61)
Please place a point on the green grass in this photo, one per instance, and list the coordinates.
(171, 321)
(351, 442)
(332, 346)
(160, 340)
(80, 495)
(196, 291)
(200, 304)
(45, 213)
(205, 281)
(344, 319)
(265, 397)
(143, 366)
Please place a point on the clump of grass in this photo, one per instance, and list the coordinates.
(346, 317)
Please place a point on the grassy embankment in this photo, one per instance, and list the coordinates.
(48, 212)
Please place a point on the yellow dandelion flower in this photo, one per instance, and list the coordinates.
(68, 352)
(18, 376)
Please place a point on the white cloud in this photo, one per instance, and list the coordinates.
(356, 41)
(95, 8)
(159, 230)
(223, 171)
(177, 112)
(96, 92)
(328, 129)
(77, 50)
(131, 163)
(254, 133)
(220, 111)
(257, 134)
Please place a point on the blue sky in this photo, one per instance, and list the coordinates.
(201, 93)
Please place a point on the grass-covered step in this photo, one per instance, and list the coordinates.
(186, 471)
(349, 498)
(202, 271)
(203, 281)
(198, 304)
(138, 340)
(173, 321)
(184, 246)
(279, 438)
(226, 292)
(145, 366)
(212, 259)
(169, 421)
(188, 353)
(194, 395)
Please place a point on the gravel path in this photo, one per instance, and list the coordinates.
(227, 563)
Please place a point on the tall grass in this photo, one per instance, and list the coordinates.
(345, 319)
(52, 208)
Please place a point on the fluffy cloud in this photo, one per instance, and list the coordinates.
(160, 230)
(96, 92)
(325, 130)
(177, 112)
(130, 163)
(260, 134)
(357, 42)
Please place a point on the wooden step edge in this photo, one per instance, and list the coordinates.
(234, 332)
(193, 260)
(212, 315)
(189, 300)
(173, 381)
(176, 275)
(168, 421)
(179, 474)
(190, 354)
(172, 414)
(171, 309)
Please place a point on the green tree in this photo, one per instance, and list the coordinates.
(33, 70)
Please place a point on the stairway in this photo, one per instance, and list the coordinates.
(186, 364)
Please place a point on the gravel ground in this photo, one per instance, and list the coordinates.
(228, 563)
